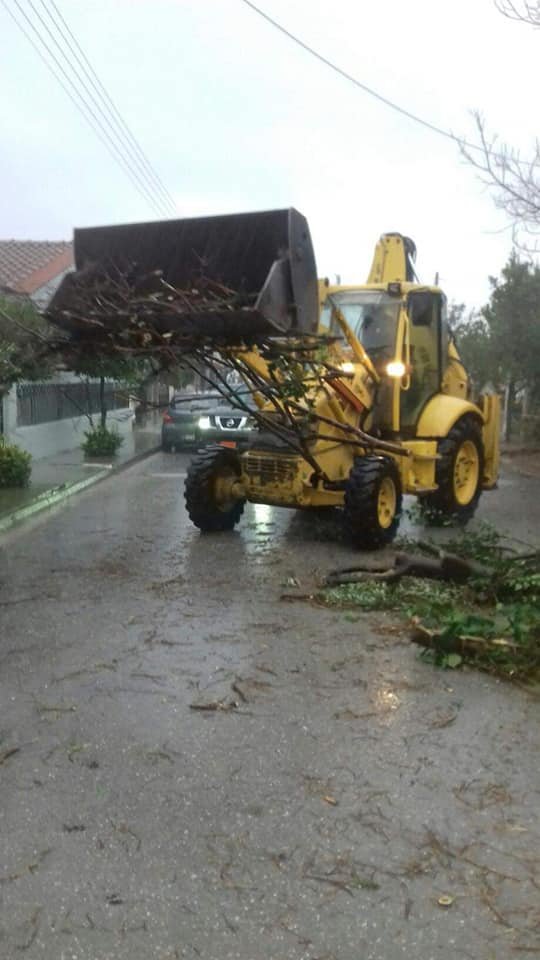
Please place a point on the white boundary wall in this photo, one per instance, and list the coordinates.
(57, 436)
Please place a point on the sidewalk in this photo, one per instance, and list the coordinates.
(60, 476)
(523, 459)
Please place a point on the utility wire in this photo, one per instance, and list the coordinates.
(100, 115)
(131, 158)
(362, 86)
(109, 104)
(78, 101)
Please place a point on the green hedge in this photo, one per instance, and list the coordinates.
(101, 442)
(15, 465)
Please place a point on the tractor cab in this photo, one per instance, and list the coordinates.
(403, 329)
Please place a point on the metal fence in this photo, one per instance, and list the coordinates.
(46, 402)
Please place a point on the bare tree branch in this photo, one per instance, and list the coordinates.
(527, 11)
(514, 182)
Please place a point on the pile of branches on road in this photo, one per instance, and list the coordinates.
(485, 608)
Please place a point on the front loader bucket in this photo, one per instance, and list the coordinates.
(265, 260)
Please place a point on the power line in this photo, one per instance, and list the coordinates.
(80, 103)
(362, 86)
(131, 158)
(106, 99)
(101, 116)
(349, 77)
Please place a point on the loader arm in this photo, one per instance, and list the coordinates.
(393, 260)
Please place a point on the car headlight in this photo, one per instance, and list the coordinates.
(204, 423)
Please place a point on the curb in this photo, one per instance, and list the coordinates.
(56, 494)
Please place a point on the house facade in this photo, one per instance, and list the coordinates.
(49, 417)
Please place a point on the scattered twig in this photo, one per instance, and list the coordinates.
(296, 596)
(339, 884)
(34, 924)
(236, 688)
(214, 705)
(6, 754)
(29, 868)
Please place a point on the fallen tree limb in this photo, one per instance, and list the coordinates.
(465, 644)
(447, 566)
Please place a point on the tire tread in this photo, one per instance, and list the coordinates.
(360, 505)
(199, 504)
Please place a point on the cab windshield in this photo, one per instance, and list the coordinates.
(371, 315)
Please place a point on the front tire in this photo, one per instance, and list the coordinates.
(209, 475)
(373, 502)
(458, 473)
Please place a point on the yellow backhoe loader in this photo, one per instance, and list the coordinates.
(360, 390)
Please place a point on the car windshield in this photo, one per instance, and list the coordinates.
(371, 315)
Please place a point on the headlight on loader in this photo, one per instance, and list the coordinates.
(395, 369)
(204, 423)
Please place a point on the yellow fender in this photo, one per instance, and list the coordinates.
(442, 412)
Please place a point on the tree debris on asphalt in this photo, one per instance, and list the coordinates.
(6, 754)
(214, 705)
(463, 644)
(447, 567)
(484, 609)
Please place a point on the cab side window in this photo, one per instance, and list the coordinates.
(424, 309)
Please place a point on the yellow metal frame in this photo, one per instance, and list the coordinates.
(442, 412)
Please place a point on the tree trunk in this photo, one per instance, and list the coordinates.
(523, 432)
(102, 403)
(509, 391)
(88, 403)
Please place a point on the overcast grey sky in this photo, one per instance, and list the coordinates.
(234, 116)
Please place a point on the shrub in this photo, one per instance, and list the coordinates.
(101, 442)
(15, 465)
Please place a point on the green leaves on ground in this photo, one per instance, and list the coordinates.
(502, 610)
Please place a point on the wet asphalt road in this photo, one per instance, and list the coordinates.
(321, 819)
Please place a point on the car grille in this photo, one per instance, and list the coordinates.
(272, 469)
(229, 423)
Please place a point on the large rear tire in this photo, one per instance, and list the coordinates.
(458, 473)
(209, 475)
(373, 502)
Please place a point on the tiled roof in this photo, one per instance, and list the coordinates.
(25, 265)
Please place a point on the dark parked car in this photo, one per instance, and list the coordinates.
(197, 419)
